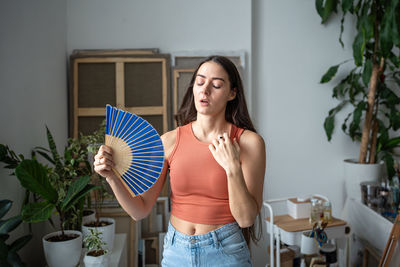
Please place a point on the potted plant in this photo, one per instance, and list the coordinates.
(8, 252)
(96, 255)
(369, 87)
(62, 189)
(104, 225)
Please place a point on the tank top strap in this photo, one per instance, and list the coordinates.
(236, 132)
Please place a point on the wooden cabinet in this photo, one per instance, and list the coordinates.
(134, 81)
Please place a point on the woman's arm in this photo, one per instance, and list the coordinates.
(138, 207)
(245, 170)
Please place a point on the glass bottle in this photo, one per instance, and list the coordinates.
(315, 211)
(327, 212)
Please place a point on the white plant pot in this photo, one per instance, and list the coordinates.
(64, 253)
(308, 244)
(89, 218)
(108, 233)
(101, 261)
(356, 173)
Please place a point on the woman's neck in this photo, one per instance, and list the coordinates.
(208, 128)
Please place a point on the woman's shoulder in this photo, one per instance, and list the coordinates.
(252, 140)
(169, 140)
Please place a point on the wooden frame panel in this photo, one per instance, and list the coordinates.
(177, 73)
(76, 111)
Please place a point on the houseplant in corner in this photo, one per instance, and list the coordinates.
(96, 255)
(8, 252)
(61, 189)
(370, 87)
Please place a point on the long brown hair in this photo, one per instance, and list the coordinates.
(236, 113)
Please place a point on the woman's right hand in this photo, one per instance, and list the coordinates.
(103, 162)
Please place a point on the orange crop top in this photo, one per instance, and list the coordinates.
(199, 189)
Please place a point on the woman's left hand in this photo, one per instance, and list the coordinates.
(226, 153)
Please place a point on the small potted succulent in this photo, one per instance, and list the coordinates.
(96, 254)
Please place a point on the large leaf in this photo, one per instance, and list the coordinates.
(386, 41)
(347, 5)
(366, 76)
(33, 176)
(5, 206)
(81, 195)
(37, 212)
(392, 143)
(43, 154)
(395, 119)
(53, 149)
(10, 224)
(358, 48)
(329, 74)
(355, 124)
(20, 243)
(329, 123)
(395, 25)
(74, 189)
(326, 10)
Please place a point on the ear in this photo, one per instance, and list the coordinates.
(232, 94)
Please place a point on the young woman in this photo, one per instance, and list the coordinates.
(216, 162)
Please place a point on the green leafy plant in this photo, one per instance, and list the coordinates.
(94, 243)
(62, 187)
(9, 252)
(370, 86)
(93, 142)
(35, 177)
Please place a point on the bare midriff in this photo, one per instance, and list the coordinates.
(190, 228)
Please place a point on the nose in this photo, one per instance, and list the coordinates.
(206, 88)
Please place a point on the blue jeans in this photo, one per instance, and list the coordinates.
(224, 246)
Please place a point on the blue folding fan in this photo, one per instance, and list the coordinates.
(138, 152)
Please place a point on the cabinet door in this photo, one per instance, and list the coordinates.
(135, 83)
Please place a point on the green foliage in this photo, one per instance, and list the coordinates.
(34, 177)
(377, 36)
(8, 252)
(61, 187)
(93, 241)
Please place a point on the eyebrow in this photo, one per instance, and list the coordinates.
(214, 78)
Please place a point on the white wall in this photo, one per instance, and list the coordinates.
(291, 51)
(33, 91)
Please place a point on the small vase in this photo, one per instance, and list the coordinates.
(100, 261)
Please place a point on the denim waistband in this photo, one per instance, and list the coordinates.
(210, 238)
